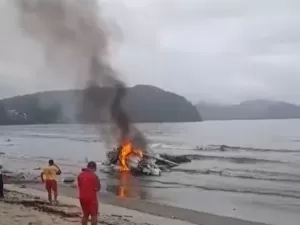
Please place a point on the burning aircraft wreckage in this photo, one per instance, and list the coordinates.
(127, 159)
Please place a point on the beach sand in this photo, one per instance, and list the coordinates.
(18, 208)
(27, 205)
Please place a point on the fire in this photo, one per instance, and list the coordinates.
(127, 150)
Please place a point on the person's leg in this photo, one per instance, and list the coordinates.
(94, 220)
(85, 212)
(85, 219)
(94, 212)
(49, 196)
(55, 191)
(49, 190)
(1, 186)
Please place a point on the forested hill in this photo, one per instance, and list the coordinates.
(143, 104)
(249, 110)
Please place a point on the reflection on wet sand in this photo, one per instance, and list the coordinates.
(127, 186)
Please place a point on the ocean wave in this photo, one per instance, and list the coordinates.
(47, 158)
(219, 148)
(170, 146)
(239, 160)
(224, 148)
(40, 159)
(59, 136)
(256, 191)
(287, 194)
(245, 174)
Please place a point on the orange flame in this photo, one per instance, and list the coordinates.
(127, 150)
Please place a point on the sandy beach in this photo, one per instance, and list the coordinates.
(28, 204)
(20, 208)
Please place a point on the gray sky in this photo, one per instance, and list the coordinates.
(211, 50)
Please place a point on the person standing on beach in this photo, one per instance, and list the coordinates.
(1, 181)
(48, 176)
(89, 186)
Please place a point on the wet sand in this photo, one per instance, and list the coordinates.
(29, 206)
(17, 214)
(20, 208)
(128, 211)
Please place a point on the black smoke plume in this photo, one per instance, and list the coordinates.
(73, 35)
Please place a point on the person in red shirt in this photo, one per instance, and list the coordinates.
(89, 186)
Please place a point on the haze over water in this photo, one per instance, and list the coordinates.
(244, 169)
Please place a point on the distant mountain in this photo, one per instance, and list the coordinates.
(143, 104)
(247, 110)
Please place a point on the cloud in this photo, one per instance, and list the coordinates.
(212, 50)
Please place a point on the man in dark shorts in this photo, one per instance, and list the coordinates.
(89, 186)
(48, 176)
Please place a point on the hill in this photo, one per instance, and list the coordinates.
(247, 110)
(143, 104)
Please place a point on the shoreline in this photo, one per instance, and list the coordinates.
(69, 208)
(140, 211)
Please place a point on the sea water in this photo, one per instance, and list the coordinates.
(242, 169)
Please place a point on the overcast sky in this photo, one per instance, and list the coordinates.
(208, 50)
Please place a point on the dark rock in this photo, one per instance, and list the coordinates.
(127, 216)
(69, 180)
(6, 171)
(223, 148)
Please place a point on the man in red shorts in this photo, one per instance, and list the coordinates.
(48, 176)
(89, 186)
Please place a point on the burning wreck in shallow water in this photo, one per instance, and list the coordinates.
(127, 158)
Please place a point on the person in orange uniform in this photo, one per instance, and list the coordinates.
(48, 176)
(89, 186)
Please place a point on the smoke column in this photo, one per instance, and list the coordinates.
(72, 34)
